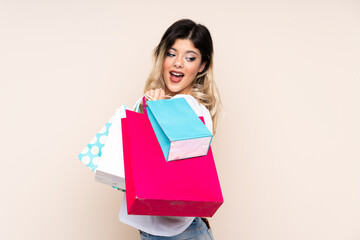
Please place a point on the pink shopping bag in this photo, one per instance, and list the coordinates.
(154, 186)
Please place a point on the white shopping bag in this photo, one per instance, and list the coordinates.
(104, 153)
(110, 168)
(91, 154)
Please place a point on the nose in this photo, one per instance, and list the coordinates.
(178, 62)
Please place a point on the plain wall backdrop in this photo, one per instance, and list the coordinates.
(287, 148)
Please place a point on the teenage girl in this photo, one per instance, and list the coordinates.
(183, 67)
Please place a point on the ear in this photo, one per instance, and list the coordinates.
(202, 66)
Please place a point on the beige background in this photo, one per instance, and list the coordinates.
(287, 148)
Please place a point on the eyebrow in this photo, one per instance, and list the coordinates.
(189, 51)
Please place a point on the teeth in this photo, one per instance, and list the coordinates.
(176, 74)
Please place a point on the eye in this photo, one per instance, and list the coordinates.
(191, 59)
(170, 54)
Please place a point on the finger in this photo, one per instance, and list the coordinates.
(151, 93)
(162, 94)
(156, 94)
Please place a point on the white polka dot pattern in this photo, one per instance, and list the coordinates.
(85, 150)
(95, 150)
(96, 160)
(86, 160)
(91, 154)
(102, 139)
(103, 130)
(93, 140)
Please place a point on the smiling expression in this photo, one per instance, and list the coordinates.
(181, 65)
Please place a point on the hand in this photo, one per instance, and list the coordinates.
(156, 94)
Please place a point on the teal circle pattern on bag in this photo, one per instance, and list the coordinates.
(91, 154)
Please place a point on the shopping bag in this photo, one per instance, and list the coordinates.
(104, 153)
(157, 187)
(91, 154)
(110, 169)
(180, 132)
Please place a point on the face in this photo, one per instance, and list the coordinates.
(181, 65)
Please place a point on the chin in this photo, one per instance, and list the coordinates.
(174, 91)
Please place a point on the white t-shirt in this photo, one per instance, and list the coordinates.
(165, 225)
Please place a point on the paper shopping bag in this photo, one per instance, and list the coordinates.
(110, 169)
(180, 132)
(91, 154)
(157, 187)
(104, 154)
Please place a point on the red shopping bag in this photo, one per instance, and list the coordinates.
(154, 186)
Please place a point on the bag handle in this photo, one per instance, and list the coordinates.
(136, 107)
(144, 105)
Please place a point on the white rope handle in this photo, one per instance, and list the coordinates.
(136, 107)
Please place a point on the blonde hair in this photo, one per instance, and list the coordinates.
(203, 88)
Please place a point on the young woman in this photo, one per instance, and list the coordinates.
(183, 67)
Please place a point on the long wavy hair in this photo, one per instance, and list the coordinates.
(203, 87)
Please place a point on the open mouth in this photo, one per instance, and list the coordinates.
(176, 76)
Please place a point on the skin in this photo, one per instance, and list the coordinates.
(182, 57)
